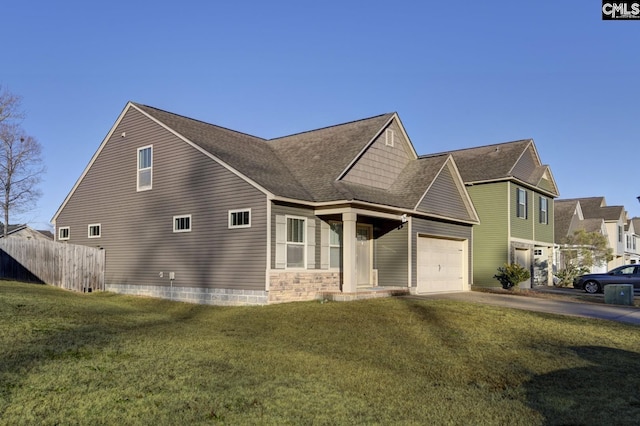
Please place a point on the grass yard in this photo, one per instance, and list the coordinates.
(101, 358)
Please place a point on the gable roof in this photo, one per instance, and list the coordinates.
(563, 217)
(503, 161)
(590, 225)
(318, 157)
(596, 208)
(300, 167)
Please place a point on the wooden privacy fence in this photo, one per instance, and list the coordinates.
(68, 266)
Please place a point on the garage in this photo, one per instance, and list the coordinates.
(440, 265)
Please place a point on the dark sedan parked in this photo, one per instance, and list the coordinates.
(594, 283)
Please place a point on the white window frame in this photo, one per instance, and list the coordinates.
(544, 213)
(389, 137)
(94, 225)
(522, 201)
(237, 211)
(140, 170)
(303, 243)
(183, 216)
(64, 228)
(333, 246)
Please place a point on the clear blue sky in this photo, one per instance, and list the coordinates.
(460, 74)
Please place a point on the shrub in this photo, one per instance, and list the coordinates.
(511, 274)
(566, 275)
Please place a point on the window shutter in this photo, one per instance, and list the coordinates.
(281, 241)
(311, 243)
(324, 245)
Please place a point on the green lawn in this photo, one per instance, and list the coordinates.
(100, 358)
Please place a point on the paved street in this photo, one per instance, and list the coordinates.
(619, 313)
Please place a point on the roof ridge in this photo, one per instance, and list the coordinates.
(330, 126)
(477, 147)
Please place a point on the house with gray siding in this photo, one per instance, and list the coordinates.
(192, 211)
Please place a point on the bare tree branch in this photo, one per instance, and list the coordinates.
(21, 165)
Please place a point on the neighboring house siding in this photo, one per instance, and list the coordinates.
(544, 232)
(137, 227)
(391, 254)
(444, 199)
(438, 229)
(381, 164)
(491, 236)
(526, 165)
(520, 227)
(546, 185)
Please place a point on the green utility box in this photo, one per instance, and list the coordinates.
(618, 294)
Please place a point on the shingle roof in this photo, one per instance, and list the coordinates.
(589, 225)
(596, 208)
(250, 155)
(405, 192)
(563, 211)
(489, 162)
(590, 206)
(318, 157)
(303, 166)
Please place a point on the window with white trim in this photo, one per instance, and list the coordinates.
(93, 230)
(296, 242)
(335, 244)
(544, 210)
(145, 168)
(182, 223)
(240, 218)
(522, 203)
(389, 137)
(64, 233)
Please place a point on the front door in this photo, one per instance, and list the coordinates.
(363, 255)
(523, 258)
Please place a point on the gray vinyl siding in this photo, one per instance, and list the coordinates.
(444, 198)
(380, 165)
(439, 229)
(137, 227)
(391, 252)
(284, 210)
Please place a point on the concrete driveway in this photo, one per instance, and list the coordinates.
(619, 313)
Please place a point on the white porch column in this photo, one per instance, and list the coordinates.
(349, 281)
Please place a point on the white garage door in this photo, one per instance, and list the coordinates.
(440, 265)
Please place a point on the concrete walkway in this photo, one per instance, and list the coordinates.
(553, 306)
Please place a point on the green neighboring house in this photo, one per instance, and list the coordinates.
(513, 193)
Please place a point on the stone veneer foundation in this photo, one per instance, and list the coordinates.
(205, 296)
(284, 286)
(289, 286)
